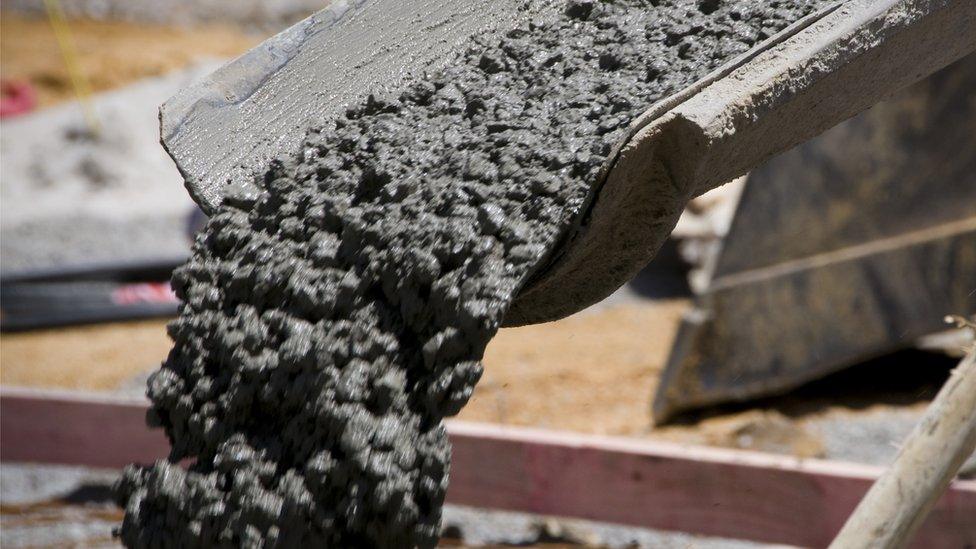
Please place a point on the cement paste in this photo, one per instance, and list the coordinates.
(332, 321)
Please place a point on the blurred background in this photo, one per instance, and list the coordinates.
(769, 322)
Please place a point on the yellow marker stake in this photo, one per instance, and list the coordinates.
(78, 79)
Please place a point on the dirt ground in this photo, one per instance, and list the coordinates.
(110, 54)
(594, 372)
(90, 358)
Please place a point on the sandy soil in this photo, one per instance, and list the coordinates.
(594, 372)
(94, 358)
(111, 54)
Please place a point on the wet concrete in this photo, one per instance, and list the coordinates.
(334, 318)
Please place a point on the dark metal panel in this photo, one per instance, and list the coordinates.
(906, 164)
(849, 246)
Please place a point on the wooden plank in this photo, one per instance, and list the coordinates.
(76, 429)
(707, 491)
(700, 490)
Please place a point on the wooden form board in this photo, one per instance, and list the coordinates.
(699, 490)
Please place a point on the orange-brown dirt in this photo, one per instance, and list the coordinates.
(593, 372)
(91, 358)
(111, 54)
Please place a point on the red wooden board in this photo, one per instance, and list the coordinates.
(700, 490)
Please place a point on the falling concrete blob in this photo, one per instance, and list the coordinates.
(331, 322)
